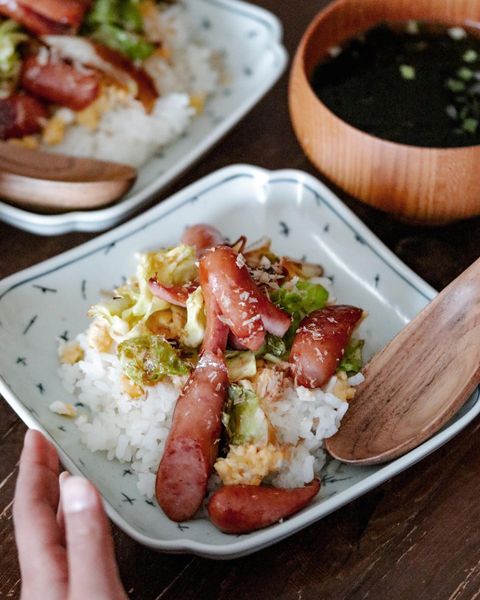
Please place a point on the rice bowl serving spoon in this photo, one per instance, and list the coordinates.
(418, 381)
(51, 182)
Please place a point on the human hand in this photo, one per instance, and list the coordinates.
(63, 535)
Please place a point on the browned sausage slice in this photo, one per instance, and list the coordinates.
(31, 19)
(216, 331)
(20, 115)
(245, 309)
(67, 12)
(60, 82)
(202, 237)
(146, 91)
(245, 508)
(320, 342)
(191, 447)
(175, 294)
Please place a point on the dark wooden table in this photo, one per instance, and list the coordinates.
(415, 537)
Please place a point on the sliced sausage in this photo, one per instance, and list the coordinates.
(31, 19)
(67, 12)
(275, 320)
(246, 310)
(60, 82)
(244, 508)
(20, 115)
(202, 237)
(320, 343)
(175, 294)
(236, 295)
(191, 447)
(113, 64)
(146, 91)
(216, 331)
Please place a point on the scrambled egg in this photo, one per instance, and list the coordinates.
(29, 141)
(55, 128)
(197, 102)
(63, 408)
(54, 131)
(169, 322)
(270, 383)
(71, 354)
(131, 389)
(98, 336)
(248, 464)
(342, 389)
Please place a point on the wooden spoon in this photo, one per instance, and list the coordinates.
(418, 381)
(59, 183)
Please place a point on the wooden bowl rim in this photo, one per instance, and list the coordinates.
(298, 64)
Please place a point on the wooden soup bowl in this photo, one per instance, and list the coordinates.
(425, 185)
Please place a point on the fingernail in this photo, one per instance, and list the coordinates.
(77, 495)
(30, 438)
(64, 475)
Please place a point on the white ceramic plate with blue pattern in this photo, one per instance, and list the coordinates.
(249, 39)
(304, 219)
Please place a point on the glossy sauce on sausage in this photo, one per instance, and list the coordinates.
(20, 115)
(216, 331)
(60, 82)
(320, 343)
(175, 294)
(66, 12)
(191, 447)
(31, 19)
(241, 509)
(202, 237)
(246, 310)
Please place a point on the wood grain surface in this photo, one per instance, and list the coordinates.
(416, 537)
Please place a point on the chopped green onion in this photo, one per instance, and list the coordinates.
(119, 25)
(451, 111)
(11, 36)
(455, 86)
(130, 16)
(407, 72)
(130, 44)
(470, 125)
(273, 346)
(457, 33)
(352, 360)
(334, 51)
(470, 56)
(464, 112)
(412, 27)
(465, 73)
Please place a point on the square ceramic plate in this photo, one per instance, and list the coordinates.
(249, 40)
(304, 218)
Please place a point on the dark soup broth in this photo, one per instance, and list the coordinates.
(415, 83)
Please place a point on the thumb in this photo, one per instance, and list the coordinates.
(92, 567)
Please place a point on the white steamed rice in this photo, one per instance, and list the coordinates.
(135, 431)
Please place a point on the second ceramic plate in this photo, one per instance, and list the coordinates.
(249, 40)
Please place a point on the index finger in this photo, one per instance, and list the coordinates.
(41, 554)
